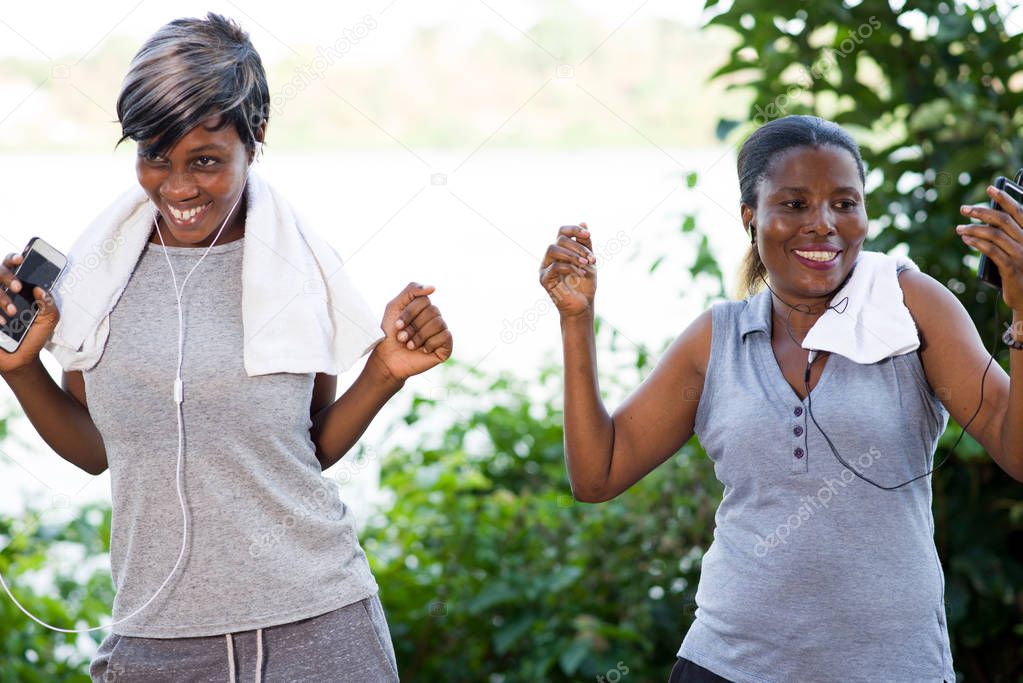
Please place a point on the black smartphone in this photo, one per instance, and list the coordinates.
(41, 266)
(987, 271)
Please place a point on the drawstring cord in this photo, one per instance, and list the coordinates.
(230, 659)
(259, 656)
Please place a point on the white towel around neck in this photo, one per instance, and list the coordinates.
(300, 311)
(866, 320)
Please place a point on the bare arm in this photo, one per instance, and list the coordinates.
(954, 358)
(60, 416)
(338, 426)
(416, 338)
(605, 455)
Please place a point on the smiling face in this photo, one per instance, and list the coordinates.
(195, 184)
(810, 221)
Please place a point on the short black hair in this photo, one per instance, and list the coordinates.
(189, 70)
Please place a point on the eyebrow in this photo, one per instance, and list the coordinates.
(211, 145)
(846, 188)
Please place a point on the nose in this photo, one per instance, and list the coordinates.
(821, 220)
(179, 187)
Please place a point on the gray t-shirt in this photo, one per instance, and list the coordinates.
(815, 574)
(269, 539)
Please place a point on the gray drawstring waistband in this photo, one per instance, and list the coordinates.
(259, 656)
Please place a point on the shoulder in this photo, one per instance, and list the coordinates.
(690, 351)
(933, 307)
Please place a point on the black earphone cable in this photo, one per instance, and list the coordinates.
(809, 401)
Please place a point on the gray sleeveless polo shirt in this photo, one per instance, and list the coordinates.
(269, 541)
(813, 573)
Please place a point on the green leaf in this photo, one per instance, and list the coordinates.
(573, 656)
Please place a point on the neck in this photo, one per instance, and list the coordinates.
(795, 317)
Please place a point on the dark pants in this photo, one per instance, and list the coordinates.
(685, 671)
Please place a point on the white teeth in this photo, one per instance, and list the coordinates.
(187, 215)
(818, 255)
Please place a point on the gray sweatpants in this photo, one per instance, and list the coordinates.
(352, 643)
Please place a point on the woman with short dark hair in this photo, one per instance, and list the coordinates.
(820, 400)
(238, 559)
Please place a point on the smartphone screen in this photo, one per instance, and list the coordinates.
(35, 271)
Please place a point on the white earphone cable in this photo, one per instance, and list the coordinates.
(178, 398)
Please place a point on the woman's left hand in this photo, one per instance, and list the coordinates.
(1000, 237)
(417, 336)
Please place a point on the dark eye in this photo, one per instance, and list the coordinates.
(846, 204)
(206, 162)
(794, 203)
(152, 157)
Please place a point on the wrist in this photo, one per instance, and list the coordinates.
(1013, 335)
(16, 374)
(584, 319)
(381, 375)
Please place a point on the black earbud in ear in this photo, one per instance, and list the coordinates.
(752, 233)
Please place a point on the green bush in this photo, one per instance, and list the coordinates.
(76, 597)
(491, 571)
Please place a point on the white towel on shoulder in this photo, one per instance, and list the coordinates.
(300, 311)
(867, 320)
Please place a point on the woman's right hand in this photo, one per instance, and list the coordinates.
(568, 272)
(41, 329)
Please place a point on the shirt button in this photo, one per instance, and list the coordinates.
(798, 411)
(798, 452)
(798, 430)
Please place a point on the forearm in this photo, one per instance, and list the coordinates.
(589, 430)
(338, 427)
(1012, 424)
(62, 421)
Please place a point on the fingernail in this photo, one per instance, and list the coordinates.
(11, 308)
(15, 286)
(959, 229)
(402, 336)
(399, 323)
(966, 209)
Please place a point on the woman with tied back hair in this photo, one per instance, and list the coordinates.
(819, 571)
(243, 562)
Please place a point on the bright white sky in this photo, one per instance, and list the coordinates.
(39, 31)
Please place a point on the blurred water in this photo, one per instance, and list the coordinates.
(474, 226)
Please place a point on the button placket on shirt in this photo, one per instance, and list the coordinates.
(797, 429)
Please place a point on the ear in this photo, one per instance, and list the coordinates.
(259, 135)
(747, 216)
